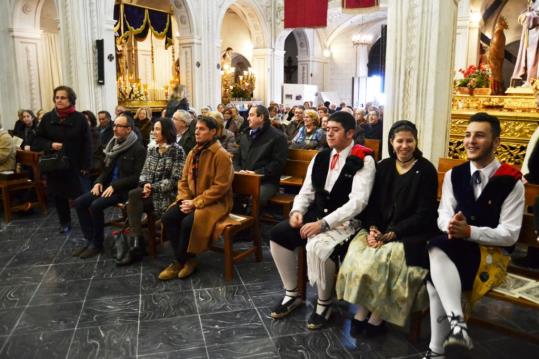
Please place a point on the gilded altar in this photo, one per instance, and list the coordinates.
(518, 115)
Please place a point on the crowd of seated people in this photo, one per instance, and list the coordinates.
(373, 233)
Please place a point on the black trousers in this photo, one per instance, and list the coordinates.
(63, 186)
(177, 226)
(289, 237)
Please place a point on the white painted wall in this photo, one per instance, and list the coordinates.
(236, 34)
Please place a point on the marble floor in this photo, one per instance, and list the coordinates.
(55, 306)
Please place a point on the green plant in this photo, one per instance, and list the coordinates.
(475, 76)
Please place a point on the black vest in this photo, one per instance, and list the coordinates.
(324, 202)
(485, 211)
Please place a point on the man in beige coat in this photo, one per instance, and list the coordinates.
(204, 198)
(8, 151)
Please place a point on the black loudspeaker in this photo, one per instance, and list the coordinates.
(100, 61)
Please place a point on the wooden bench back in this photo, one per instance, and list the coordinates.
(301, 155)
(295, 168)
(373, 145)
(30, 159)
(248, 185)
(445, 164)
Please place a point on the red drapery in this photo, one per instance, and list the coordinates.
(305, 13)
(358, 4)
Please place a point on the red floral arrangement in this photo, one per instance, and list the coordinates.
(475, 76)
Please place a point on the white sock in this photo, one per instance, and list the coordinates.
(327, 292)
(287, 263)
(438, 329)
(361, 313)
(323, 305)
(446, 280)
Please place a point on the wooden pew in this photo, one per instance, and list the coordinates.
(375, 146)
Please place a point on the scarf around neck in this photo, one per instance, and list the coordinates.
(64, 112)
(113, 148)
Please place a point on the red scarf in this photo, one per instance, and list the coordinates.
(63, 113)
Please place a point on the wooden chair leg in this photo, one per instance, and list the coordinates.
(7, 205)
(151, 236)
(256, 242)
(415, 327)
(40, 193)
(302, 272)
(229, 257)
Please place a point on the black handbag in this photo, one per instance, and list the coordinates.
(53, 162)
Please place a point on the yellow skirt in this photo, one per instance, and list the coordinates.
(380, 280)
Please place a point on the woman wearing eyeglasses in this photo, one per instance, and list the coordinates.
(65, 130)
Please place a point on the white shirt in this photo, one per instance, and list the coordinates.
(358, 197)
(508, 229)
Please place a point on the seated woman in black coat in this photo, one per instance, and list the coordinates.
(383, 270)
(28, 131)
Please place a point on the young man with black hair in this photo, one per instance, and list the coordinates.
(480, 214)
(336, 189)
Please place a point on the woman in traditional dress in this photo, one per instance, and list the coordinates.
(383, 270)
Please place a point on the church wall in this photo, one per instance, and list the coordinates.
(236, 34)
(342, 66)
(8, 95)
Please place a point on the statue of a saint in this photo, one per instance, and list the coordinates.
(226, 58)
(526, 67)
(496, 53)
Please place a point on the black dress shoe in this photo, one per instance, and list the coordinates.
(282, 310)
(90, 252)
(318, 321)
(372, 331)
(78, 251)
(358, 326)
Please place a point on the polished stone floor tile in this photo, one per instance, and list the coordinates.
(222, 299)
(23, 276)
(171, 334)
(110, 311)
(107, 268)
(114, 287)
(8, 319)
(16, 296)
(32, 258)
(40, 242)
(294, 323)
(69, 271)
(509, 348)
(194, 353)
(8, 247)
(38, 345)
(321, 344)
(256, 348)
(258, 272)
(232, 327)
(210, 272)
(61, 292)
(49, 318)
(167, 305)
(152, 284)
(107, 341)
(266, 294)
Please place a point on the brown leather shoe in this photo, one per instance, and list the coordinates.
(188, 268)
(170, 272)
(78, 251)
(90, 252)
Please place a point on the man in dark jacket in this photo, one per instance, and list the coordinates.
(124, 159)
(263, 150)
(104, 127)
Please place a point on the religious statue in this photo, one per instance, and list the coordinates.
(121, 57)
(496, 55)
(226, 58)
(526, 67)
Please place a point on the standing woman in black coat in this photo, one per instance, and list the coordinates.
(64, 129)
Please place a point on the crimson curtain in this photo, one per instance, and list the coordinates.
(305, 13)
(358, 4)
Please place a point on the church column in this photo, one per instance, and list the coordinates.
(278, 75)
(78, 30)
(261, 68)
(419, 63)
(474, 39)
(8, 69)
(27, 43)
(304, 70)
(190, 69)
(318, 65)
(361, 47)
